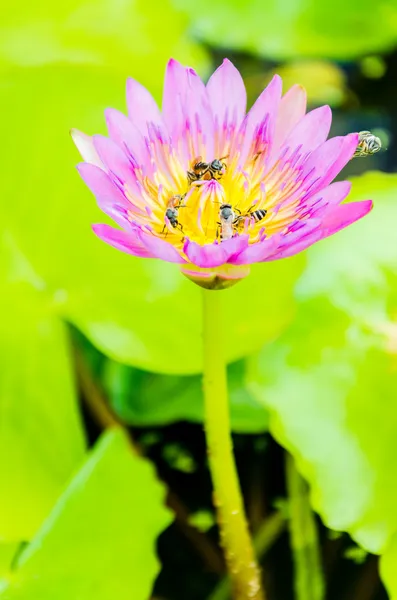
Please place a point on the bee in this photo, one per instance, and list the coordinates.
(172, 211)
(172, 216)
(202, 170)
(199, 169)
(257, 215)
(217, 168)
(368, 144)
(227, 218)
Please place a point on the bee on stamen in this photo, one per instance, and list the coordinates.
(172, 212)
(227, 218)
(256, 215)
(217, 168)
(368, 144)
(201, 170)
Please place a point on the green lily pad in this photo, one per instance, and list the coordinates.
(329, 381)
(296, 28)
(99, 540)
(41, 440)
(123, 36)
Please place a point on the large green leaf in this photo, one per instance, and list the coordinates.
(142, 312)
(147, 399)
(330, 381)
(41, 439)
(294, 28)
(127, 36)
(99, 541)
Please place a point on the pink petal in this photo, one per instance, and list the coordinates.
(328, 159)
(228, 98)
(330, 196)
(116, 161)
(291, 110)
(216, 254)
(126, 242)
(109, 198)
(175, 90)
(279, 244)
(344, 215)
(159, 248)
(334, 193)
(311, 131)
(335, 220)
(263, 113)
(86, 148)
(142, 108)
(138, 243)
(306, 240)
(126, 135)
(187, 112)
(258, 252)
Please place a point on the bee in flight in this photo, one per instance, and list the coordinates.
(202, 170)
(227, 218)
(172, 211)
(368, 144)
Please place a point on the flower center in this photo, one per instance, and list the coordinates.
(216, 200)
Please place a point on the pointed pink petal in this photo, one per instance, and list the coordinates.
(344, 215)
(214, 255)
(159, 248)
(187, 112)
(109, 198)
(258, 252)
(291, 110)
(227, 95)
(298, 241)
(328, 159)
(262, 114)
(126, 242)
(336, 219)
(115, 160)
(138, 243)
(334, 193)
(86, 148)
(330, 196)
(142, 107)
(175, 90)
(311, 131)
(274, 246)
(126, 136)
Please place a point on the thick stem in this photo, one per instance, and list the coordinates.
(308, 575)
(269, 531)
(235, 537)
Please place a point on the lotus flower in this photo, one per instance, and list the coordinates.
(206, 185)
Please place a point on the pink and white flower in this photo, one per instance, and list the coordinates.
(277, 169)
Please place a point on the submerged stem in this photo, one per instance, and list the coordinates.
(308, 575)
(235, 538)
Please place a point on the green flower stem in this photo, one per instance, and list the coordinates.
(269, 531)
(308, 576)
(235, 538)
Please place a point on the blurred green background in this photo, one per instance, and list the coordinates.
(312, 340)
